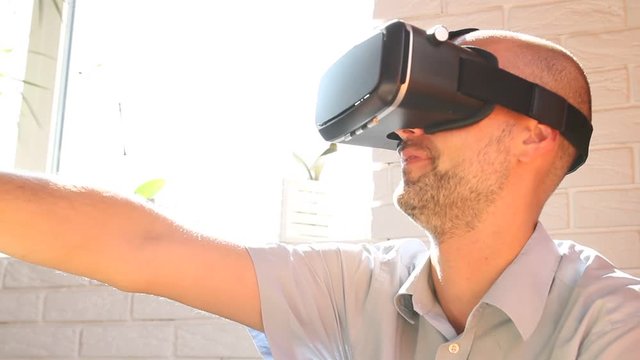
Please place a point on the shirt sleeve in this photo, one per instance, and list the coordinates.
(616, 333)
(308, 295)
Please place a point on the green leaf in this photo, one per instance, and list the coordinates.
(150, 189)
(318, 165)
(314, 171)
(333, 147)
(301, 161)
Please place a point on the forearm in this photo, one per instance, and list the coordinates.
(77, 230)
(125, 244)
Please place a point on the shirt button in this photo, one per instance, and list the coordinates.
(454, 348)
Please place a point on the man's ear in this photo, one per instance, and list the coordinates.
(537, 140)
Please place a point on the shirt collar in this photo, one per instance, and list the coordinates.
(417, 283)
(417, 298)
(521, 290)
(529, 276)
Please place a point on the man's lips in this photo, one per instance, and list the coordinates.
(413, 155)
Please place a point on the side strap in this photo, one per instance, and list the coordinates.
(489, 83)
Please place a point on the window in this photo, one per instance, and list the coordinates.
(15, 20)
(213, 97)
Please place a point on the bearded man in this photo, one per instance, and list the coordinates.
(489, 283)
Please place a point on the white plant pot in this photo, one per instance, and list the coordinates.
(306, 211)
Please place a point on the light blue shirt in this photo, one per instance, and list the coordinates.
(556, 300)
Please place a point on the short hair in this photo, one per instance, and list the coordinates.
(542, 62)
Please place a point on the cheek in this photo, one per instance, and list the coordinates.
(463, 145)
(455, 151)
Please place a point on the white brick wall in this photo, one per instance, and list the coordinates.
(600, 204)
(45, 314)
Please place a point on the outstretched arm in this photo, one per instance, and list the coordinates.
(125, 244)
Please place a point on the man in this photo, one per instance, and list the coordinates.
(491, 284)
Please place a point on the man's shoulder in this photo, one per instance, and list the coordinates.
(402, 252)
(601, 303)
(405, 252)
(598, 287)
(586, 267)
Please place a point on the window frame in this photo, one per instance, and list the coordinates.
(41, 114)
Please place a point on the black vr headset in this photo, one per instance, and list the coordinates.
(406, 77)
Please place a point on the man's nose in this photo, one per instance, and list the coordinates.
(408, 133)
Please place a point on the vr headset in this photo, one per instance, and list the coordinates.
(406, 77)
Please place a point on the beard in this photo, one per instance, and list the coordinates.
(453, 202)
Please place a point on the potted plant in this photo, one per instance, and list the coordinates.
(306, 203)
(315, 169)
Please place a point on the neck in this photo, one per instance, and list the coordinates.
(464, 267)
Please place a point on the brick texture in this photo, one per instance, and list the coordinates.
(23, 275)
(616, 126)
(610, 87)
(607, 208)
(608, 166)
(38, 341)
(219, 338)
(150, 340)
(20, 306)
(563, 17)
(492, 18)
(637, 162)
(635, 84)
(149, 307)
(48, 314)
(3, 264)
(556, 215)
(605, 49)
(87, 304)
(404, 8)
(633, 13)
(461, 6)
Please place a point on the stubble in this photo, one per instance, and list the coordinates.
(452, 202)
